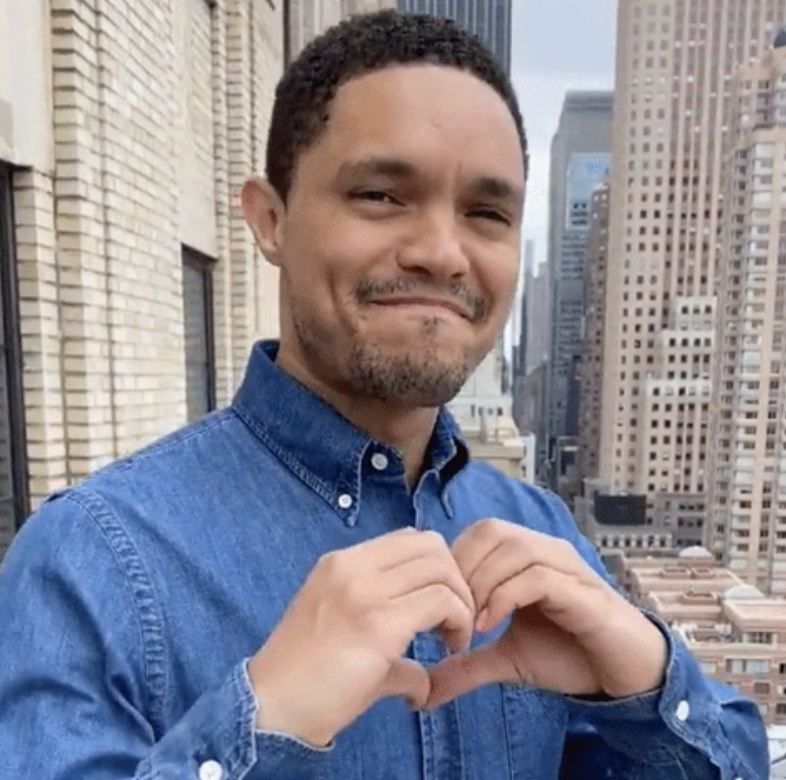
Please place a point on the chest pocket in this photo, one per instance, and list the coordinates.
(535, 724)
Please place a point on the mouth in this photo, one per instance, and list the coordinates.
(427, 306)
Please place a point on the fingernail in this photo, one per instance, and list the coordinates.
(480, 623)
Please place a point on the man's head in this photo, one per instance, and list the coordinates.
(395, 176)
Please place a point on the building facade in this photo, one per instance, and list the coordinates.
(747, 489)
(131, 289)
(579, 161)
(594, 321)
(675, 63)
(734, 631)
(305, 19)
(531, 356)
(490, 20)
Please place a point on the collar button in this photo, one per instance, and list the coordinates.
(345, 501)
(379, 461)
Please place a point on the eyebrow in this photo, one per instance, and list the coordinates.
(494, 187)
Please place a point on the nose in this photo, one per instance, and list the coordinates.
(435, 248)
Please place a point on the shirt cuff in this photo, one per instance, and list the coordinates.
(219, 732)
(660, 726)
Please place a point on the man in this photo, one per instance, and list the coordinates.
(317, 582)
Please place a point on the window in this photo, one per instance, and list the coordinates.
(198, 328)
(14, 505)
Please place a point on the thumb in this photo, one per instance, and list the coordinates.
(458, 674)
(409, 679)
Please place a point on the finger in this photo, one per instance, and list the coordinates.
(417, 573)
(436, 607)
(409, 679)
(391, 550)
(477, 542)
(514, 556)
(567, 601)
(461, 673)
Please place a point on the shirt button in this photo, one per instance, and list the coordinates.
(345, 501)
(210, 770)
(379, 461)
(683, 711)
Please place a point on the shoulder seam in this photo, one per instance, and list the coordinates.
(148, 612)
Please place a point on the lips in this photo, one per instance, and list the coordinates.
(451, 306)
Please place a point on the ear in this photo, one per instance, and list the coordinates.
(264, 211)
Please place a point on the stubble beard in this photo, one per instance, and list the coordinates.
(420, 377)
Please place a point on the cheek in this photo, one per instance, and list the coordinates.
(500, 280)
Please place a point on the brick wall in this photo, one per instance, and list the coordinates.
(160, 110)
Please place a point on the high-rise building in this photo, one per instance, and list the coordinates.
(747, 489)
(518, 319)
(675, 62)
(531, 352)
(591, 367)
(490, 20)
(579, 161)
(305, 19)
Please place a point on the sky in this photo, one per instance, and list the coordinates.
(558, 45)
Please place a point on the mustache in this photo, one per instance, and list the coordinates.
(370, 290)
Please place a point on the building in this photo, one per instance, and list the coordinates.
(495, 439)
(747, 489)
(675, 63)
(305, 19)
(617, 524)
(518, 323)
(579, 161)
(531, 356)
(591, 365)
(490, 20)
(733, 630)
(131, 289)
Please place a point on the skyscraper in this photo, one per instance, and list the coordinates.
(490, 20)
(594, 321)
(579, 161)
(675, 62)
(747, 486)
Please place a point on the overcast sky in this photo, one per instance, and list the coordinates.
(557, 45)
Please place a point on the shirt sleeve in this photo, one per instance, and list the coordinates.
(82, 694)
(693, 726)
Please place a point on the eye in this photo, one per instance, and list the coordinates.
(374, 196)
(490, 214)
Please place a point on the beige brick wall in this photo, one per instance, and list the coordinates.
(159, 111)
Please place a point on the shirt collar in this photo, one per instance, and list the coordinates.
(320, 446)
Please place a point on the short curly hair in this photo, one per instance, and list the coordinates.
(360, 45)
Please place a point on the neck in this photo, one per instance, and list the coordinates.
(407, 430)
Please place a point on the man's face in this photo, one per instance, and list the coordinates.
(399, 244)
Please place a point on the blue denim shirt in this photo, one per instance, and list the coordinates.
(130, 604)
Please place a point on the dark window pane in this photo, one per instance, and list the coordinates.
(198, 328)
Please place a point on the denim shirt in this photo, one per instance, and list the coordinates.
(130, 604)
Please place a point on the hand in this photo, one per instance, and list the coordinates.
(338, 648)
(570, 631)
